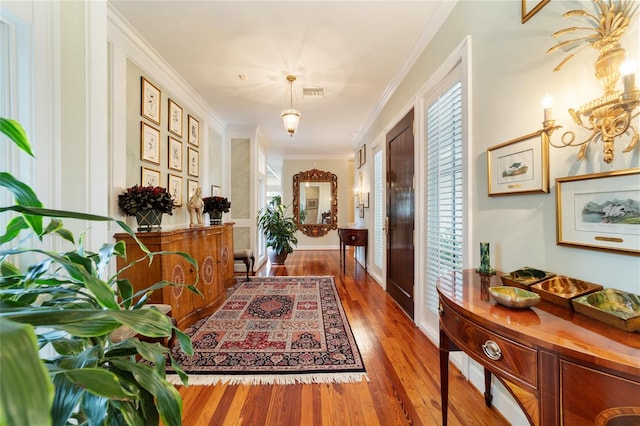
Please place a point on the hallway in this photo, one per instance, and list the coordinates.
(402, 365)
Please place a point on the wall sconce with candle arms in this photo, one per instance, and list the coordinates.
(610, 115)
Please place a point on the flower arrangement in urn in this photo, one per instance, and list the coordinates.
(147, 204)
(215, 206)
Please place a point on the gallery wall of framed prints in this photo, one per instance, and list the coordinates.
(157, 126)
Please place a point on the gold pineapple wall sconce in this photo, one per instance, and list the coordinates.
(610, 115)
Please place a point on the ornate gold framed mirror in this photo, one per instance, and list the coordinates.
(315, 202)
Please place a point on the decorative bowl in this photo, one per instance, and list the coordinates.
(514, 297)
(525, 276)
(614, 307)
(560, 290)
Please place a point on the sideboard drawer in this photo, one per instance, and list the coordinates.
(514, 360)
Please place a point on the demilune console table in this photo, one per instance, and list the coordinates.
(352, 236)
(562, 367)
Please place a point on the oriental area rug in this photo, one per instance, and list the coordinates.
(274, 330)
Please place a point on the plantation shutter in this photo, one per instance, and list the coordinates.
(378, 214)
(444, 221)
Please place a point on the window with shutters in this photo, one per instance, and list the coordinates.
(15, 96)
(379, 211)
(444, 183)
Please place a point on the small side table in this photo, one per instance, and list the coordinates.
(352, 237)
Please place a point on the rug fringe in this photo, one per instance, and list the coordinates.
(268, 379)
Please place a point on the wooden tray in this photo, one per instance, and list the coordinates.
(525, 276)
(560, 290)
(623, 313)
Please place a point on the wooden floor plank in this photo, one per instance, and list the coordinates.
(401, 362)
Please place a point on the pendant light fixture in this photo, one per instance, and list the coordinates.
(290, 116)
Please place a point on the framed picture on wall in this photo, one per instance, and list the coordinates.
(194, 131)
(531, 7)
(149, 143)
(363, 155)
(149, 101)
(175, 188)
(175, 154)
(312, 203)
(599, 211)
(194, 162)
(519, 166)
(192, 185)
(149, 177)
(175, 118)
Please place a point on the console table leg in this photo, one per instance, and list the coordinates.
(487, 388)
(444, 378)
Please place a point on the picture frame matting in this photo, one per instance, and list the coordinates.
(149, 143)
(518, 166)
(149, 177)
(599, 211)
(150, 100)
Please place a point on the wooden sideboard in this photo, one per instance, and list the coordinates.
(562, 367)
(210, 246)
(352, 236)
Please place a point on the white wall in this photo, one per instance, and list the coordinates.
(131, 57)
(510, 75)
(343, 169)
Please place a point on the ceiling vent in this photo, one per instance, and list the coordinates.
(313, 92)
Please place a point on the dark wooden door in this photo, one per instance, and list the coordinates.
(400, 213)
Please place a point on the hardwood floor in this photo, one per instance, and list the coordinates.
(402, 365)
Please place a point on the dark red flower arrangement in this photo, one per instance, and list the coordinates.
(212, 204)
(139, 198)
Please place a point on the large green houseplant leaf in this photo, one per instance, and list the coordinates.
(67, 300)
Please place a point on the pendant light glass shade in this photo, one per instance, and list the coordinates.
(290, 116)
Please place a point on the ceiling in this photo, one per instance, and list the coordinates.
(356, 51)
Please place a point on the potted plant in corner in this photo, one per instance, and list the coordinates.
(147, 204)
(279, 230)
(70, 303)
(215, 206)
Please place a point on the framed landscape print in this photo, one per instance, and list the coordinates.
(192, 185)
(519, 166)
(149, 143)
(599, 211)
(175, 188)
(194, 131)
(149, 101)
(175, 118)
(150, 177)
(194, 162)
(175, 154)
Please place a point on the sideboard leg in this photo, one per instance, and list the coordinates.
(444, 376)
(487, 388)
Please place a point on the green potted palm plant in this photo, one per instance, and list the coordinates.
(279, 230)
(69, 303)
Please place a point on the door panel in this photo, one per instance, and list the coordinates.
(400, 213)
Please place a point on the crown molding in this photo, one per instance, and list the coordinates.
(148, 58)
(442, 11)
